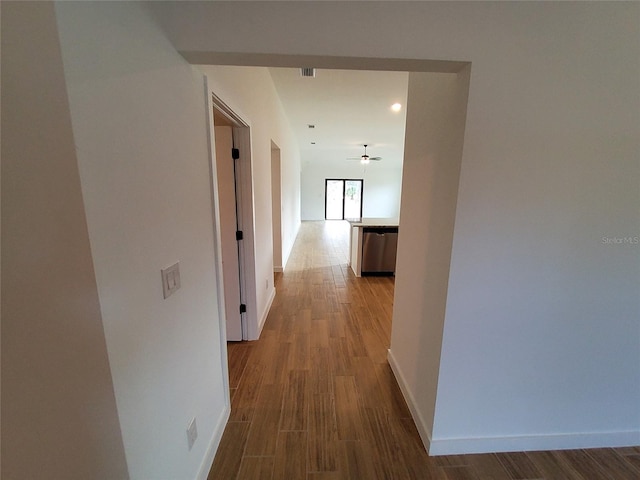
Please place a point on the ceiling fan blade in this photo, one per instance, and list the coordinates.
(365, 158)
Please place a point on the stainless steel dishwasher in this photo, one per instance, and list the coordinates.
(379, 245)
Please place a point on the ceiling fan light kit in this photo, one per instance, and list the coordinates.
(365, 159)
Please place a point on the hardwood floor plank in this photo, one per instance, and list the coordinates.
(554, 467)
(300, 358)
(321, 378)
(613, 463)
(238, 354)
(291, 454)
(414, 455)
(392, 397)
(451, 461)
(278, 363)
(628, 451)
(286, 324)
(377, 349)
(369, 394)
(336, 325)
(519, 466)
(323, 434)
(459, 473)
(488, 467)
(256, 468)
(244, 401)
(229, 455)
(355, 343)
(319, 333)
(341, 362)
(584, 464)
(355, 460)
(634, 460)
(295, 404)
(348, 419)
(262, 434)
(386, 458)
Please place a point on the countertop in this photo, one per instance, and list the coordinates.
(373, 222)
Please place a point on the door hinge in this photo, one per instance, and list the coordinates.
(239, 235)
(235, 153)
(243, 308)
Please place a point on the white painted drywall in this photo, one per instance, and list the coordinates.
(542, 321)
(424, 254)
(139, 124)
(59, 417)
(250, 93)
(382, 187)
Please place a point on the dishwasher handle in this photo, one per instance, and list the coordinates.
(380, 230)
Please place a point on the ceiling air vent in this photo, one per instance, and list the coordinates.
(307, 72)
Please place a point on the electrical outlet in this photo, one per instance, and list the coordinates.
(192, 432)
(266, 284)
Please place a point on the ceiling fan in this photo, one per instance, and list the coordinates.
(364, 159)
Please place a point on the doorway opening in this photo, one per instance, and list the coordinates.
(276, 207)
(231, 174)
(343, 198)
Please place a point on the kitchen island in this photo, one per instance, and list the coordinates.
(379, 226)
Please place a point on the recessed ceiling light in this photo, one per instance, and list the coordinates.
(396, 107)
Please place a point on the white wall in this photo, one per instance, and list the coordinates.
(59, 417)
(540, 343)
(428, 214)
(139, 124)
(382, 188)
(250, 93)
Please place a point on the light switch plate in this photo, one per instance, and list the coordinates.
(192, 432)
(170, 279)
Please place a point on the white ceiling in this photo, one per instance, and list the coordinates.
(348, 108)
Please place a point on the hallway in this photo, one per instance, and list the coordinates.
(315, 398)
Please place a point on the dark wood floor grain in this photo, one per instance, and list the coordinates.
(315, 398)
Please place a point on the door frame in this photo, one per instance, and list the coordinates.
(344, 187)
(244, 216)
(276, 206)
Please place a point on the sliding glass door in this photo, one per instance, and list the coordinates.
(343, 198)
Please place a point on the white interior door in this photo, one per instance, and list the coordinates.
(229, 244)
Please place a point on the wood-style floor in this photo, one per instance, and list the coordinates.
(315, 398)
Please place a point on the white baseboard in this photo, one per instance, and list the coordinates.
(459, 446)
(287, 254)
(421, 425)
(453, 446)
(210, 454)
(265, 312)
